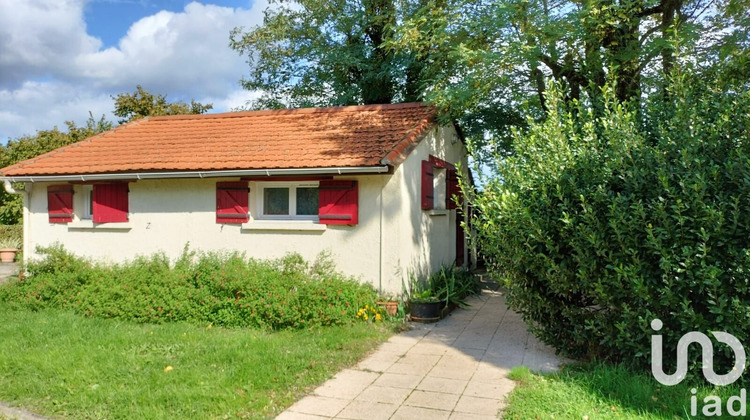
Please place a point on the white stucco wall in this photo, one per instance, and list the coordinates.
(420, 241)
(394, 236)
(167, 214)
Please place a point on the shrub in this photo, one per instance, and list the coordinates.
(449, 284)
(216, 288)
(601, 223)
(11, 235)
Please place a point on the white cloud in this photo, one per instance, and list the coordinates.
(186, 52)
(51, 70)
(39, 38)
(236, 100)
(42, 105)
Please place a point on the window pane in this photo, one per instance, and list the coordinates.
(275, 201)
(307, 201)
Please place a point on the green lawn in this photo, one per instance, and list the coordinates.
(57, 363)
(597, 391)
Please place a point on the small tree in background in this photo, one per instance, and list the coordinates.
(27, 147)
(600, 224)
(128, 106)
(141, 103)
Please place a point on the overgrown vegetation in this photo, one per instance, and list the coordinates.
(449, 285)
(200, 288)
(598, 391)
(63, 365)
(602, 223)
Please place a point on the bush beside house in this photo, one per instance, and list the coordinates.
(209, 288)
(603, 222)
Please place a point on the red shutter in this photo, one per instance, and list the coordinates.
(60, 203)
(428, 187)
(338, 203)
(111, 203)
(455, 196)
(231, 202)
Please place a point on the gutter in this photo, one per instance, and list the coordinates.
(196, 174)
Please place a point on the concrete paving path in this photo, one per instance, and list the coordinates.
(456, 368)
(7, 270)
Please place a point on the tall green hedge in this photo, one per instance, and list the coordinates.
(601, 223)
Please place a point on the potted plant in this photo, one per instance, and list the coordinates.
(424, 303)
(8, 249)
(389, 304)
(438, 295)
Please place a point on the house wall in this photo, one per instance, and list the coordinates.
(165, 215)
(418, 242)
(394, 237)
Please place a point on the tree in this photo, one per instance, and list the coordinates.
(27, 147)
(128, 106)
(483, 63)
(141, 103)
(488, 61)
(326, 53)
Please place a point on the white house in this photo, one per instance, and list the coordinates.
(373, 185)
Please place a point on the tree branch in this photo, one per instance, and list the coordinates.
(648, 33)
(659, 8)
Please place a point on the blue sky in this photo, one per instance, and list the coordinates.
(60, 59)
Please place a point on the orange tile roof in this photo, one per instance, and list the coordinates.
(351, 136)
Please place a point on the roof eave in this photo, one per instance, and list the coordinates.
(346, 170)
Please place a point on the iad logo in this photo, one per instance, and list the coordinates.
(708, 356)
(736, 406)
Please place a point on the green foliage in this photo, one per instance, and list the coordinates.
(141, 103)
(453, 285)
(325, 53)
(600, 224)
(89, 368)
(449, 284)
(10, 243)
(485, 63)
(222, 289)
(128, 106)
(12, 232)
(602, 391)
(27, 147)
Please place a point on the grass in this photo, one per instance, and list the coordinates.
(598, 391)
(55, 362)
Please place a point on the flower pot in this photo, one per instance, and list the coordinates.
(425, 311)
(7, 255)
(391, 307)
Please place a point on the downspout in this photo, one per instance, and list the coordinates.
(380, 250)
(25, 218)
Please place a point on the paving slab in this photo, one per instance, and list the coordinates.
(456, 368)
(368, 410)
(15, 413)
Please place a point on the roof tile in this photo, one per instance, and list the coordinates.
(302, 138)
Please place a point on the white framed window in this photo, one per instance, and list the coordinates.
(287, 200)
(87, 191)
